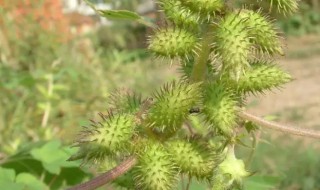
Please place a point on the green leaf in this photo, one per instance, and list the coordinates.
(53, 156)
(11, 185)
(7, 177)
(30, 182)
(7, 174)
(261, 182)
(119, 14)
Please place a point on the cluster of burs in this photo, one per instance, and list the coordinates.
(237, 46)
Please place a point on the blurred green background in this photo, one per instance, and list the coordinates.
(59, 61)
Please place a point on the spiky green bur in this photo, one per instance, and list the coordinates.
(181, 16)
(171, 106)
(262, 76)
(155, 169)
(219, 107)
(193, 159)
(284, 6)
(173, 42)
(125, 101)
(231, 170)
(232, 43)
(106, 137)
(205, 8)
(264, 35)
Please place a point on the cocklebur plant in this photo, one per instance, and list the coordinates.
(225, 54)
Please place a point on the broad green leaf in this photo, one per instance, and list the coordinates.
(119, 14)
(7, 177)
(194, 184)
(10, 185)
(261, 182)
(30, 182)
(7, 174)
(68, 176)
(53, 156)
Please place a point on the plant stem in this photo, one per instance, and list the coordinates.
(47, 111)
(107, 176)
(292, 130)
(188, 183)
(255, 141)
(200, 66)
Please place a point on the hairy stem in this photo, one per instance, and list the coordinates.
(108, 176)
(272, 125)
(200, 66)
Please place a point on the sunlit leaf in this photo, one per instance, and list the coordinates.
(30, 182)
(119, 14)
(53, 156)
(261, 182)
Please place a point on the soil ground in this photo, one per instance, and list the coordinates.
(298, 102)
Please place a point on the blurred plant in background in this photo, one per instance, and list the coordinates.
(50, 79)
(305, 21)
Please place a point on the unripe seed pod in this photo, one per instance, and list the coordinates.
(232, 43)
(171, 106)
(155, 169)
(173, 43)
(107, 137)
(193, 158)
(219, 107)
(181, 16)
(263, 33)
(125, 101)
(205, 8)
(262, 76)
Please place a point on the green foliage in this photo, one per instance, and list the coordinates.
(231, 60)
(40, 165)
(306, 21)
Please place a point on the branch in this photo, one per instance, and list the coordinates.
(108, 176)
(287, 129)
